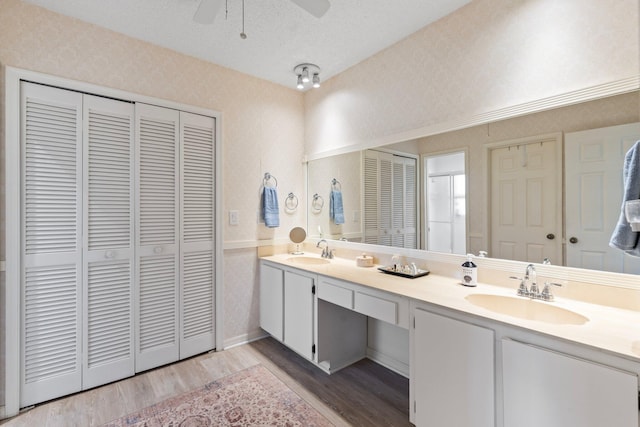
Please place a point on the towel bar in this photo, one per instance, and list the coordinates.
(335, 185)
(267, 178)
(291, 202)
(317, 203)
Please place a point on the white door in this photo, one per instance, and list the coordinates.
(157, 224)
(390, 199)
(51, 243)
(298, 313)
(545, 388)
(525, 206)
(108, 235)
(272, 300)
(453, 365)
(197, 332)
(593, 169)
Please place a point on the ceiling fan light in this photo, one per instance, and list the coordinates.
(316, 80)
(305, 75)
(300, 85)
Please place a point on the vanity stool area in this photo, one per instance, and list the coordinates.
(474, 356)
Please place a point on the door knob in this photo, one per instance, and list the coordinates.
(551, 236)
(573, 240)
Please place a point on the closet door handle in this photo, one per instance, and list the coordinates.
(109, 254)
(157, 250)
(573, 240)
(551, 236)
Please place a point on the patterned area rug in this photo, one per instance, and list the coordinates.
(252, 397)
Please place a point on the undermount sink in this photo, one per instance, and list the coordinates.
(527, 309)
(307, 260)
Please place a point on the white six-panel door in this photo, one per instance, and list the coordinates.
(593, 168)
(525, 206)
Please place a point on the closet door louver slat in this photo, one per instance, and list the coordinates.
(108, 290)
(197, 202)
(51, 258)
(157, 220)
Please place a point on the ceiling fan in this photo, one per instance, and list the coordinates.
(208, 9)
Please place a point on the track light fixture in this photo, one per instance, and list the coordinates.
(307, 73)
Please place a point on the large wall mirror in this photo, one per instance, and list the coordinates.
(528, 188)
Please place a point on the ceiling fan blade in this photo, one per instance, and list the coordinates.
(315, 7)
(207, 11)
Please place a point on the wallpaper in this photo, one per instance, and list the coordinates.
(488, 55)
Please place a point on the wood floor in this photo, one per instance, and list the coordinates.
(364, 394)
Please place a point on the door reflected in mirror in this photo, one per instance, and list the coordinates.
(446, 203)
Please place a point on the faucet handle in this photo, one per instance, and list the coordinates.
(522, 289)
(546, 294)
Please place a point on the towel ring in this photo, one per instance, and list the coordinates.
(335, 185)
(267, 178)
(317, 203)
(291, 202)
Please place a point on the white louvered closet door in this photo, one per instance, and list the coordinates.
(157, 224)
(411, 203)
(108, 234)
(197, 136)
(51, 243)
(404, 212)
(371, 193)
(385, 197)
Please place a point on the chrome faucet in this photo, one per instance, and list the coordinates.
(533, 291)
(531, 275)
(326, 253)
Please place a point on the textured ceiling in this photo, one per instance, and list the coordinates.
(280, 35)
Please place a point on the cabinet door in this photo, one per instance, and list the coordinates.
(157, 224)
(271, 300)
(545, 388)
(298, 313)
(453, 377)
(108, 251)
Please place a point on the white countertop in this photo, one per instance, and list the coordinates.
(611, 329)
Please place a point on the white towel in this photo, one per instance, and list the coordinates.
(623, 237)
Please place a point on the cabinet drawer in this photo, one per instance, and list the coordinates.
(336, 295)
(378, 308)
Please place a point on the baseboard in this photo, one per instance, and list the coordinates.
(244, 339)
(395, 365)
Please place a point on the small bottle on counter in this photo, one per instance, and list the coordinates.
(469, 272)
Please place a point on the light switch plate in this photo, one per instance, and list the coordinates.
(234, 218)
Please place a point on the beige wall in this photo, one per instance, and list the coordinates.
(488, 55)
(262, 125)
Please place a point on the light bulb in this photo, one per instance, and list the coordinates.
(316, 80)
(300, 85)
(305, 75)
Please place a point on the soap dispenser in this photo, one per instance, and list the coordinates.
(469, 272)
